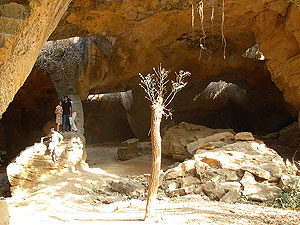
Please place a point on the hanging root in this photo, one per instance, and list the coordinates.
(222, 28)
(193, 17)
(201, 16)
(212, 17)
(202, 39)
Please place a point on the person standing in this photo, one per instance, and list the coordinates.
(72, 118)
(58, 112)
(67, 112)
(55, 140)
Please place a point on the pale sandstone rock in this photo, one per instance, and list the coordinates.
(228, 186)
(232, 176)
(172, 186)
(209, 146)
(261, 192)
(174, 173)
(189, 181)
(248, 179)
(188, 166)
(124, 188)
(224, 171)
(231, 196)
(213, 190)
(179, 143)
(129, 150)
(257, 171)
(192, 147)
(180, 191)
(4, 213)
(198, 191)
(244, 136)
(34, 163)
(289, 182)
(201, 167)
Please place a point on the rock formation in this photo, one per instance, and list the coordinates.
(35, 164)
(277, 33)
(136, 36)
(25, 27)
(105, 119)
(224, 166)
(32, 107)
(4, 213)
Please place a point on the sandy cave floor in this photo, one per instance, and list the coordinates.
(69, 199)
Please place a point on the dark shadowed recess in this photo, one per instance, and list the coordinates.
(33, 106)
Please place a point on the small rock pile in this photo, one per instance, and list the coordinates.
(35, 164)
(224, 166)
(132, 148)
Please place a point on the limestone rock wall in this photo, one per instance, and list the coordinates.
(32, 107)
(24, 28)
(105, 119)
(139, 35)
(277, 33)
(145, 34)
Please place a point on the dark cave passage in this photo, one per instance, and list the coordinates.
(33, 107)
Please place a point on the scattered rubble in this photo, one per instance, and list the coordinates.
(224, 166)
(132, 148)
(218, 165)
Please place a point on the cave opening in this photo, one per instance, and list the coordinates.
(105, 119)
(240, 100)
(239, 107)
(29, 116)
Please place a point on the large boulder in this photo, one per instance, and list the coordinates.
(183, 140)
(132, 148)
(239, 167)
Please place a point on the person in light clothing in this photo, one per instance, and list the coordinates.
(72, 118)
(58, 113)
(55, 139)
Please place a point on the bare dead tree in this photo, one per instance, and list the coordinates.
(155, 86)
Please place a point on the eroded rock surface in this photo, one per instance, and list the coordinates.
(24, 29)
(35, 164)
(238, 166)
(183, 140)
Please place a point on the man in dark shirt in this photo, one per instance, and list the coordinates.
(67, 112)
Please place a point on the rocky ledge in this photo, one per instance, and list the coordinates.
(225, 166)
(218, 165)
(34, 164)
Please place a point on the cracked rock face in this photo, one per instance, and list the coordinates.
(24, 28)
(140, 35)
(149, 32)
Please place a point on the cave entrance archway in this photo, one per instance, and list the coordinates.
(29, 116)
(105, 119)
(225, 102)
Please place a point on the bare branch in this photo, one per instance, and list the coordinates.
(155, 86)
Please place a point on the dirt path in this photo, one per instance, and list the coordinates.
(70, 199)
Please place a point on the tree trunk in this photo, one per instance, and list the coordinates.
(156, 115)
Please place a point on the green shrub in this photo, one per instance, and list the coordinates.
(287, 200)
(94, 188)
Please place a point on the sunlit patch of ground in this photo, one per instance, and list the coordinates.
(69, 199)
